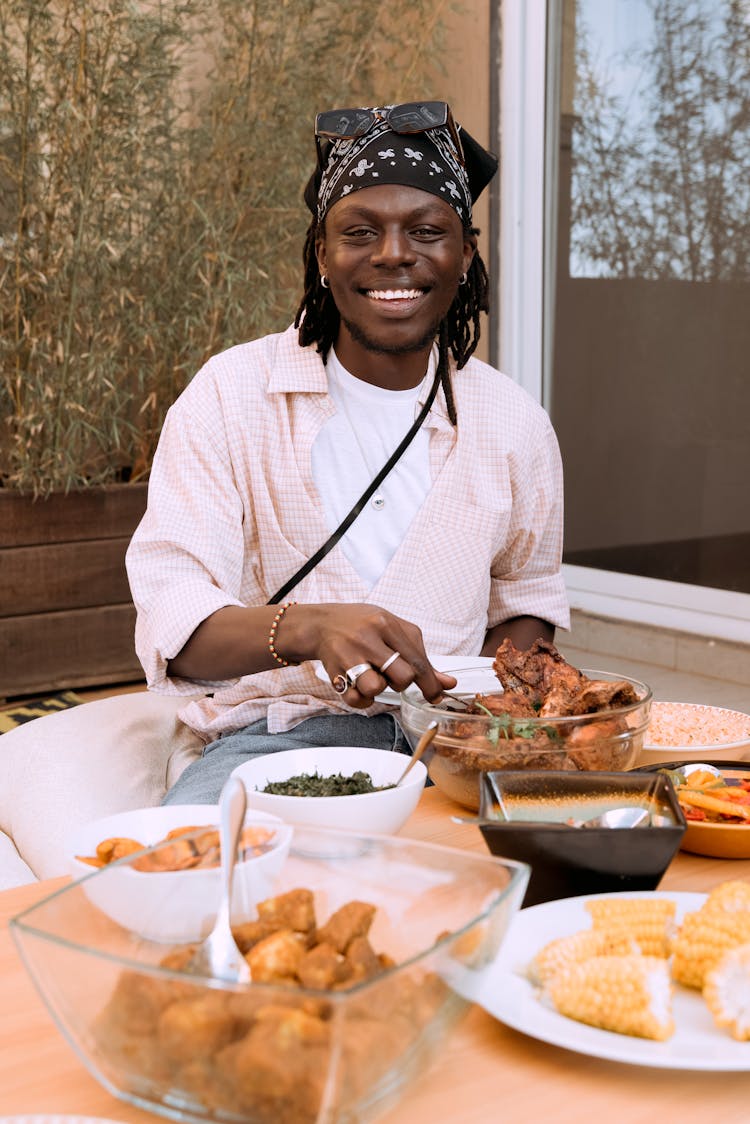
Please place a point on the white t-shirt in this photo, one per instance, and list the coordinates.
(350, 450)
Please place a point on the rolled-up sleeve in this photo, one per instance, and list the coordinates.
(185, 560)
(526, 575)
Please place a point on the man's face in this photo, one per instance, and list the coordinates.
(393, 256)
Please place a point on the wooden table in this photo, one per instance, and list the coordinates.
(487, 1072)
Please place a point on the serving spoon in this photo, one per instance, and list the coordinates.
(422, 745)
(627, 816)
(218, 954)
(615, 817)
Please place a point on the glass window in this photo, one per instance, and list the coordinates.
(650, 360)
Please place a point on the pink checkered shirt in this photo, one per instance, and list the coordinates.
(233, 512)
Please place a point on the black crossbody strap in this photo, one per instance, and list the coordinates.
(347, 521)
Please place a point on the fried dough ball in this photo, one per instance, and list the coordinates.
(250, 932)
(201, 1025)
(276, 959)
(352, 920)
(280, 1066)
(293, 910)
(323, 967)
(362, 960)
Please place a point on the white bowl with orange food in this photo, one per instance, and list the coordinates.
(171, 893)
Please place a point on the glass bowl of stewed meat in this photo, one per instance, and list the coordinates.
(533, 711)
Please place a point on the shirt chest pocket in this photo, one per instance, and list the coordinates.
(458, 544)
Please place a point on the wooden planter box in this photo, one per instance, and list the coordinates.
(66, 616)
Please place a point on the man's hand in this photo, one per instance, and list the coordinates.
(390, 650)
(233, 642)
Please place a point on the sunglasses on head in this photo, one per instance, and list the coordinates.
(410, 117)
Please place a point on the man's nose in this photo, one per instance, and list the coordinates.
(393, 248)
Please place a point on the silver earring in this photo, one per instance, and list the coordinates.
(324, 281)
(462, 279)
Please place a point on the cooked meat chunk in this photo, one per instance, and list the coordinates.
(560, 700)
(513, 702)
(599, 694)
(544, 676)
(536, 670)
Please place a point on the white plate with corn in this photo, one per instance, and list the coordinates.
(656, 979)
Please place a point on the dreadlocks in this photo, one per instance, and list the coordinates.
(318, 317)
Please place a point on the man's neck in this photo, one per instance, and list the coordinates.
(392, 371)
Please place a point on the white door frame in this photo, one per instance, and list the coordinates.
(528, 101)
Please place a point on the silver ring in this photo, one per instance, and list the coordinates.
(391, 659)
(349, 678)
(353, 673)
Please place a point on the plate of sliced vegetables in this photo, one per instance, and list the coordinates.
(715, 798)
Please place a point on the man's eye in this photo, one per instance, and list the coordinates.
(427, 232)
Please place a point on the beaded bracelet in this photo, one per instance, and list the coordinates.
(272, 634)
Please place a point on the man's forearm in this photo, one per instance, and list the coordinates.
(230, 643)
(523, 631)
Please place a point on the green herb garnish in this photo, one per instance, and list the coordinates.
(312, 784)
(504, 725)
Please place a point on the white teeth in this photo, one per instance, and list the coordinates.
(394, 294)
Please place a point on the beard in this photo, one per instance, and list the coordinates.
(360, 336)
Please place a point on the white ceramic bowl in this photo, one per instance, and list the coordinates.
(374, 812)
(694, 732)
(173, 906)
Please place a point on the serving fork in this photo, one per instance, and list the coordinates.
(218, 954)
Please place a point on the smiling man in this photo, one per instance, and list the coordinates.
(333, 509)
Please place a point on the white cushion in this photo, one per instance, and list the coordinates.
(97, 758)
(13, 870)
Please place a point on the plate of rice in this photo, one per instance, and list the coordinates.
(694, 731)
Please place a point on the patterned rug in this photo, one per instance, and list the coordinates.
(17, 713)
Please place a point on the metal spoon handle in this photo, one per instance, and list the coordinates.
(232, 805)
(422, 745)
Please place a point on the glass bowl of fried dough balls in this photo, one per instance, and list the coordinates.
(532, 711)
(360, 960)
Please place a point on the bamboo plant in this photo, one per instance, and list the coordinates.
(152, 160)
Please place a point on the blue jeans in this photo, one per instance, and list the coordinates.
(203, 780)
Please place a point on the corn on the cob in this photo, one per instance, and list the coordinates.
(626, 994)
(727, 992)
(704, 937)
(578, 947)
(649, 921)
(731, 897)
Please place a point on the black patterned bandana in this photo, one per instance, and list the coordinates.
(427, 161)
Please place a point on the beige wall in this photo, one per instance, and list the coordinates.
(465, 84)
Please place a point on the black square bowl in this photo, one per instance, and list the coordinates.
(522, 815)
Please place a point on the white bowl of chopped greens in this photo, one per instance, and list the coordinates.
(346, 787)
